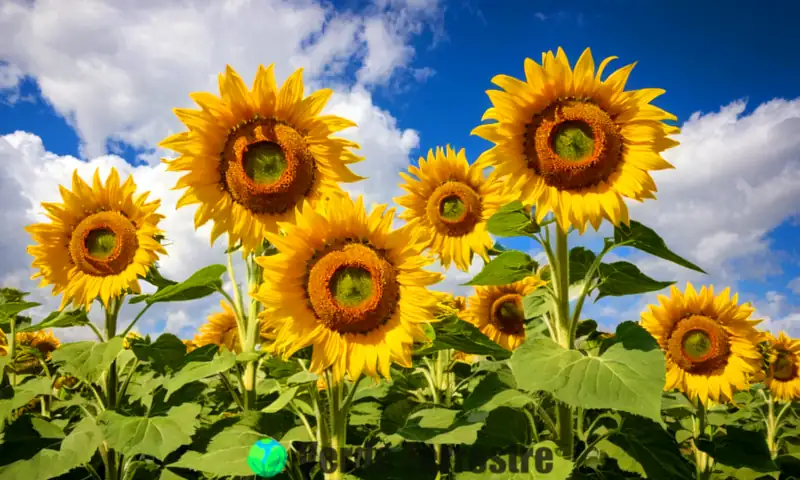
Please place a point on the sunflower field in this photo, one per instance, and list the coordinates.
(337, 340)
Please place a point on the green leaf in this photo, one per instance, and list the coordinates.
(644, 447)
(154, 436)
(647, 240)
(499, 467)
(504, 426)
(512, 220)
(537, 303)
(300, 378)
(8, 310)
(155, 279)
(206, 353)
(365, 413)
(23, 394)
(492, 392)
(76, 449)
(226, 454)
(194, 371)
(442, 426)
(202, 283)
(87, 360)
(297, 434)
(629, 376)
(580, 260)
(623, 278)
(62, 319)
(283, 399)
(454, 333)
(508, 267)
(740, 453)
(167, 352)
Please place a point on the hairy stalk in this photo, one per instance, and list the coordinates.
(110, 457)
(252, 334)
(698, 430)
(773, 423)
(12, 351)
(560, 272)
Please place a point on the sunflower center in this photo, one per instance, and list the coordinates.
(573, 145)
(264, 163)
(454, 208)
(783, 368)
(352, 288)
(100, 243)
(572, 140)
(267, 167)
(507, 314)
(103, 244)
(698, 344)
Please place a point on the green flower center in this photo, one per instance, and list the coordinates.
(351, 286)
(264, 162)
(100, 243)
(573, 140)
(697, 345)
(452, 207)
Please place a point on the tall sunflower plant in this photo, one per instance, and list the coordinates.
(337, 341)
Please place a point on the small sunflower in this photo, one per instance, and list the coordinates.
(497, 311)
(453, 201)
(44, 341)
(710, 342)
(454, 305)
(222, 329)
(349, 285)
(783, 375)
(579, 143)
(252, 156)
(126, 342)
(99, 241)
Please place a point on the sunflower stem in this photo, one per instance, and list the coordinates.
(12, 351)
(560, 272)
(338, 410)
(251, 330)
(111, 313)
(699, 428)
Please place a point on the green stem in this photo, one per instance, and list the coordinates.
(12, 351)
(125, 332)
(111, 391)
(252, 331)
(585, 453)
(338, 425)
(127, 382)
(238, 303)
(97, 332)
(698, 430)
(566, 436)
(236, 397)
(773, 423)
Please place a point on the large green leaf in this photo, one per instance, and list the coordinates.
(512, 220)
(76, 449)
(13, 308)
(226, 454)
(623, 278)
(282, 401)
(629, 376)
(508, 267)
(154, 436)
(60, 319)
(493, 392)
(644, 447)
(202, 283)
(533, 465)
(454, 333)
(87, 360)
(740, 453)
(23, 394)
(167, 352)
(647, 240)
(442, 426)
(194, 371)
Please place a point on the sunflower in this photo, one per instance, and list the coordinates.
(453, 201)
(350, 286)
(222, 329)
(99, 241)
(710, 342)
(126, 342)
(783, 374)
(497, 311)
(190, 345)
(579, 143)
(454, 305)
(44, 341)
(253, 155)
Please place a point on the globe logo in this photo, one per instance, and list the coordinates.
(266, 458)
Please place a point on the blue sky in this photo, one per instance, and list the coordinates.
(705, 56)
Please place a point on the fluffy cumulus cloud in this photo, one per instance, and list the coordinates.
(114, 70)
(737, 177)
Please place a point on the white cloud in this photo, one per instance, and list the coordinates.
(794, 285)
(115, 70)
